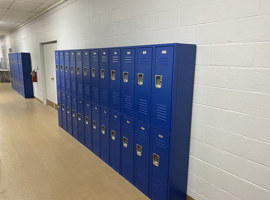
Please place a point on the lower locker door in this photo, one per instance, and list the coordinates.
(115, 140)
(59, 106)
(80, 117)
(69, 114)
(159, 165)
(104, 134)
(87, 125)
(95, 129)
(63, 107)
(74, 119)
(141, 156)
(127, 147)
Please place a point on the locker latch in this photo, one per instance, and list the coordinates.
(113, 75)
(61, 67)
(71, 70)
(158, 81)
(67, 110)
(155, 159)
(140, 78)
(79, 116)
(102, 129)
(58, 105)
(66, 68)
(86, 120)
(63, 107)
(73, 113)
(125, 77)
(125, 142)
(93, 72)
(94, 124)
(85, 71)
(78, 70)
(56, 67)
(139, 150)
(113, 134)
(102, 73)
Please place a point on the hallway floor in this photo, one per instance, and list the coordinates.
(40, 161)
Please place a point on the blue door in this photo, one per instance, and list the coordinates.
(87, 125)
(69, 114)
(141, 156)
(104, 134)
(64, 115)
(74, 118)
(127, 81)
(127, 125)
(80, 116)
(115, 70)
(67, 73)
(104, 78)
(94, 76)
(79, 75)
(86, 76)
(95, 129)
(161, 88)
(143, 84)
(72, 73)
(62, 71)
(115, 140)
(59, 105)
(57, 69)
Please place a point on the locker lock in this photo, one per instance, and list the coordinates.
(102, 73)
(103, 129)
(125, 142)
(140, 78)
(61, 67)
(63, 107)
(67, 110)
(94, 124)
(73, 113)
(155, 159)
(139, 150)
(71, 70)
(86, 120)
(113, 75)
(85, 71)
(78, 70)
(93, 72)
(158, 81)
(113, 133)
(125, 77)
(79, 116)
(66, 68)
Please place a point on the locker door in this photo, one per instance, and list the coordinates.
(64, 115)
(59, 104)
(80, 117)
(67, 73)
(57, 68)
(115, 140)
(86, 76)
(141, 156)
(104, 77)
(127, 81)
(143, 84)
(88, 125)
(94, 76)
(159, 164)
(73, 74)
(62, 71)
(161, 88)
(104, 134)
(126, 142)
(74, 118)
(95, 129)
(79, 75)
(69, 114)
(114, 63)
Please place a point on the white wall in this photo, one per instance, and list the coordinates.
(230, 145)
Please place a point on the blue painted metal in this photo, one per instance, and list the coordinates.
(94, 76)
(64, 112)
(67, 73)
(104, 77)
(62, 70)
(59, 106)
(79, 75)
(80, 117)
(73, 76)
(95, 129)
(86, 76)
(104, 132)
(69, 113)
(88, 125)
(74, 118)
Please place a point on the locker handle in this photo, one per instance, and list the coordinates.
(125, 142)
(61, 67)
(73, 113)
(71, 70)
(63, 107)
(78, 70)
(113, 134)
(113, 75)
(79, 116)
(140, 78)
(125, 77)
(66, 68)
(155, 159)
(56, 67)
(139, 150)
(102, 129)
(94, 124)
(85, 71)
(58, 105)
(67, 110)
(102, 73)
(158, 81)
(93, 72)
(86, 120)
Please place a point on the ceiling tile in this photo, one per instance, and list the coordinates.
(2, 10)
(24, 6)
(5, 3)
(16, 13)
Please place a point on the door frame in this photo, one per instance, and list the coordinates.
(43, 70)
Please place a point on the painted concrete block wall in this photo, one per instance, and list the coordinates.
(230, 138)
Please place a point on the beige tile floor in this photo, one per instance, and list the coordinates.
(40, 161)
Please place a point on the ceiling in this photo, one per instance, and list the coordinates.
(14, 13)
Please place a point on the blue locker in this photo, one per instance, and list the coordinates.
(127, 126)
(62, 70)
(67, 73)
(69, 113)
(80, 115)
(86, 76)
(95, 129)
(94, 76)
(143, 84)
(64, 115)
(115, 70)
(104, 134)
(162, 88)
(59, 104)
(141, 156)
(74, 118)
(73, 73)
(115, 140)
(79, 75)
(88, 125)
(127, 80)
(104, 80)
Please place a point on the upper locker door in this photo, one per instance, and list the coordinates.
(67, 73)
(94, 76)
(79, 75)
(62, 71)
(143, 84)
(162, 88)
(86, 76)
(73, 74)
(57, 69)
(104, 77)
(114, 63)
(127, 81)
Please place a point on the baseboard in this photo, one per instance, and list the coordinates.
(189, 198)
(51, 104)
(38, 100)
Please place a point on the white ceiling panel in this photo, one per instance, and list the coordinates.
(5, 3)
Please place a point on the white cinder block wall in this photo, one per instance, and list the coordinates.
(230, 138)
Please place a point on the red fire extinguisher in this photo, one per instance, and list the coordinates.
(34, 76)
